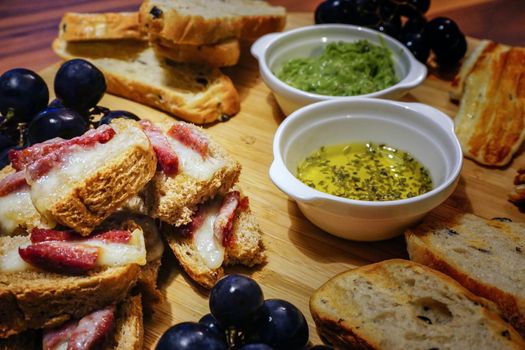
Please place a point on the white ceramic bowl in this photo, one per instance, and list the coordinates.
(421, 130)
(273, 50)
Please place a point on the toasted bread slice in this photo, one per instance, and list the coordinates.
(100, 26)
(490, 123)
(198, 94)
(93, 182)
(204, 264)
(207, 22)
(222, 54)
(485, 256)
(399, 304)
(174, 198)
(17, 212)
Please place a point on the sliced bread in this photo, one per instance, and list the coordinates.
(209, 21)
(92, 181)
(399, 304)
(485, 256)
(100, 26)
(174, 198)
(203, 257)
(198, 94)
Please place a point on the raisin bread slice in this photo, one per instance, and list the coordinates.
(485, 256)
(100, 26)
(199, 94)
(209, 21)
(398, 304)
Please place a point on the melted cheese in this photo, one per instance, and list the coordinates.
(81, 164)
(192, 163)
(208, 246)
(110, 254)
(17, 210)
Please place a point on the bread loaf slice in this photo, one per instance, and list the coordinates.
(198, 94)
(245, 247)
(485, 256)
(399, 304)
(100, 26)
(174, 198)
(93, 182)
(209, 21)
(125, 25)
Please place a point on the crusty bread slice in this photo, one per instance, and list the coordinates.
(246, 249)
(222, 54)
(458, 83)
(485, 256)
(173, 199)
(100, 26)
(490, 123)
(17, 212)
(127, 334)
(209, 21)
(113, 172)
(399, 304)
(198, 94)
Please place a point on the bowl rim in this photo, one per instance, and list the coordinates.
(415, 75)
(314, 195)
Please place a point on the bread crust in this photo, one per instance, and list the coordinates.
(190, 29)
(32, 300)
(219, 98)
(421, 250)
(100, 26)
(99, 195)
(222, 54)
(129, 330)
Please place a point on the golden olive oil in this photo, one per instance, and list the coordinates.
(365, 171)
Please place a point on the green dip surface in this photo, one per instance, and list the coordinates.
(343, 69)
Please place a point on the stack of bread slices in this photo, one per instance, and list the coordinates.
(81, 226)
(168, 54)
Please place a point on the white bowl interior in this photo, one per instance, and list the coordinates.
(311, 43)
(394, 125)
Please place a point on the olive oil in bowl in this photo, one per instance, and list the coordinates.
(365, 171)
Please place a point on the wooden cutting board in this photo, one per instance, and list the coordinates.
(301, 257)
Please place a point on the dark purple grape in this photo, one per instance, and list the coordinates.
(190, 336)
(417, 43)
(335, 11)
(210, 321)
(416, 24)
(387, 10)
(56, 122)
(442, 32)
(421, 5)
(451, 55)
(367, 12)
(108, 117)
(56, 103)
(391, 27)
(79, 85)
(321, 347)
(24, 93)
(256, 346)
(6, 140)
(235, 301)
(282, 326)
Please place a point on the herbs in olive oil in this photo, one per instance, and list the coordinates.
(365, 171)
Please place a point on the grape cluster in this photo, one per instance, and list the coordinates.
(404, 20)
(26, 117)
(241, 319)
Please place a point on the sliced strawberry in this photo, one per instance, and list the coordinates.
(188, 136)
(223, 225)
(166, 157)
(55, 338)
(113, 236)
(22, 158)
(61, 257)
(12, 182)
(93, 329)
(46, 235)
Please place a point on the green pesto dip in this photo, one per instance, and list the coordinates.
(343, 69)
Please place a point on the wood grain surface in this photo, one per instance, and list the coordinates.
(301, 257)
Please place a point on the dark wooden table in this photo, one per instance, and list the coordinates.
(28, 27)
